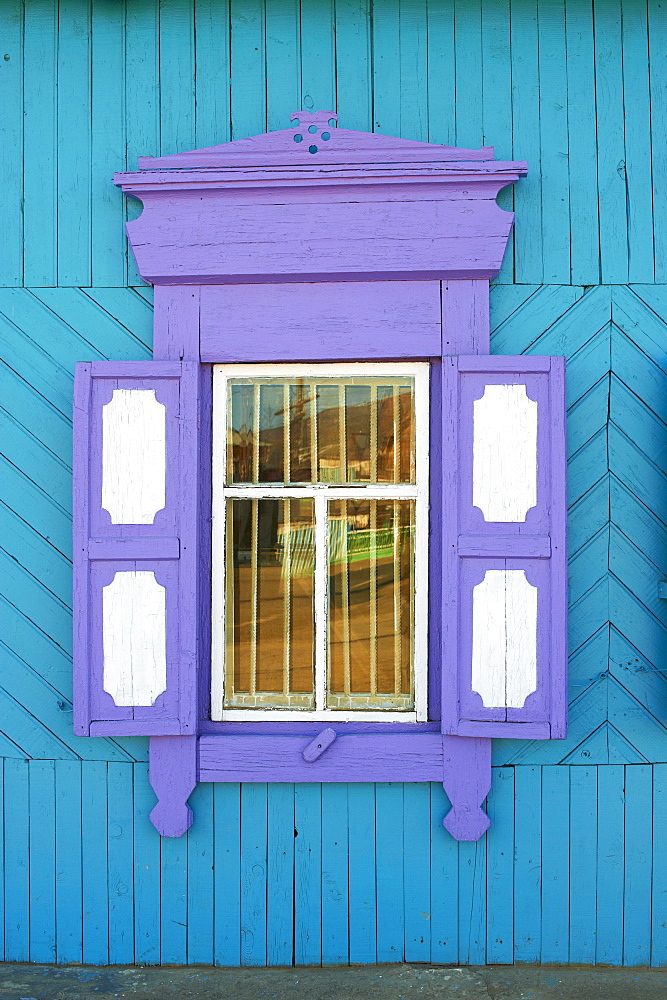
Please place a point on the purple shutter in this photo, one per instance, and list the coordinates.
(504, 637)
(135, 548)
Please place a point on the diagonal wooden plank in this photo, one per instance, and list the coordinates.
(632, 466)
(639, 675)
(639, 373)
(632, 416)
(589, 565)
(588, 614)
(524, 327)
(588, 515)
(638, 726)
(587, 466)
(574, 328)
(589, 364)
(587, 416)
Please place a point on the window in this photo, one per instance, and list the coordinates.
(320, 538)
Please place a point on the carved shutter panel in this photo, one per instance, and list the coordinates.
(504, 637)
(135, 548)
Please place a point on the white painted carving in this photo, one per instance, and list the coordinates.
(504, 474)
(133, 456)
(504, 638)
(134, 638)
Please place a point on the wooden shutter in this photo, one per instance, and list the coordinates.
(136, 536)
(504, 638)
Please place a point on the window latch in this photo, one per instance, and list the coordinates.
(317, 746)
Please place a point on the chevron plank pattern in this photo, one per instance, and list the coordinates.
(614, 338)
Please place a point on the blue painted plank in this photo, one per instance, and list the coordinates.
(176, 76)
(17, 861)
(120, 861)
(440, 69)
(76, 172)
(553, 126)
(146, 873)
(658, 58)
(497, 104)
(42, 862)
(555, 864)
(611, 142)
(283, 77)
(253, 874)
(40, 143)
(412, 69)
(318, 68)
(416, 876)
(610, 858)
(386, 89)
(363, 906)
(583, 842)
(248, 68)
(308, 874)
(227, 874)
(588, 515)
(212, 60)
(280, 889)
(173, 900)
(390, 855)
(472, 902)
(94, 806)
(659, 884)
(200, 878)
(527, 864)
(335, 897)
(128, 309)
(444, 883)
(587, 466)
(2, 856)
(68, 882)
(11, 169)
(639, 832)
(353, 64)
(522, 330)
(584, 213)
(468, 108)
(499, 865)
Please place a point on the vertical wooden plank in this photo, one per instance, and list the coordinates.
(200, 878)
(308, 874)
(386, 81)
(283, 71)
(659, 884)
(389, 857)
(584, 209)
(142, 112)
(11, 171)
(280, 893)
(253, 874)
(555, 863)
(227, 874)
(146, 873)
(416, 871)
(177, 76)
(248, 68)
(553, 130)
(2, 860)
(468, 108)
(637, 117)
(42, 862)
(610, 856)
(74, 145)
(39, 143)
(440, 65)
(173, 900)
(444, 883)
(528, 266)
(94, 862)
(108, 142)
(499, 869)
(611, 147)
(318, 66)
(69, 901)
(413, 70)
(212, 62)
(638, 864)
(363, 907)
(583, 837)
(658, 62)
(527, 863)
(335, 900)
(353, 64)
(17, 861)
(472, 902)
(497, 104)
(120, 861)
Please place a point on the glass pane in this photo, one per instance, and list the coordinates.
(334, 431)
(371, 604)
(269, 642)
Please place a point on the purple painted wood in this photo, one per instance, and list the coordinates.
(173, 776)
(167, 547)
(465, 317)
(176, 322)
(319, 745)
(467, 781)
(363, 320)
(471, 546)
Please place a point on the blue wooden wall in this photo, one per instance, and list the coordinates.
(574, 868)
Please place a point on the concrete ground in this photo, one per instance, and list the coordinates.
(372, 982)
